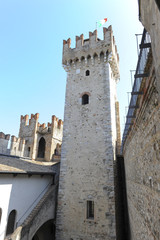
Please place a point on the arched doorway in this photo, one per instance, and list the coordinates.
(41, 148)
(11, 222)
(46, 231)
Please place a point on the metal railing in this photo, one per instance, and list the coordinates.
(139, 75)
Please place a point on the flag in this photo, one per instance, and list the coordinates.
(101, 22)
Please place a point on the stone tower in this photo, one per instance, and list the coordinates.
(86, 201)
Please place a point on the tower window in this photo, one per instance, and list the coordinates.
(87, 73)
(90, 209)
(85, 99)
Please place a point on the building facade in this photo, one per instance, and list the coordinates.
(28, 198)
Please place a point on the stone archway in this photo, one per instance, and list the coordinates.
(46, 231)
(41, 148)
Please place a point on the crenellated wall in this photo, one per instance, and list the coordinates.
(4, 139)
(17, 147)
(30, 134)
(92, 51)
(52, 133)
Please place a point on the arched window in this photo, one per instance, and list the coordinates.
(41, 148)
(11, 222)
(87, 73)
(0, 214)
(85, 99)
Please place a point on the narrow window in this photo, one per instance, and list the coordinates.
(87, 73)
(11, 222)
(90, 209)
(85, 99)
(29, 149)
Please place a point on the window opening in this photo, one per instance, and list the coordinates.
(102, 56)
(85, 99)
(87, 73)
(90, 209)
(29, 149)
(41, 148)
(11, 222)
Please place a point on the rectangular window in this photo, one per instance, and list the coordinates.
(90, 209)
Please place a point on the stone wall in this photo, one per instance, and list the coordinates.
(142, 163)
(89, 140)
(4, 143)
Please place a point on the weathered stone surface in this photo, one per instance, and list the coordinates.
(142, 164)
(89, 141)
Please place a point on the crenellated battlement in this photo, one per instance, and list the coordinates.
(28, 144)
(48, 128)
(17, 146)
(57, 123)
(4, 136)
(91, 51)
(24, 119)
(16, 139)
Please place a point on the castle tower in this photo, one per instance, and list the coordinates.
(86, 200)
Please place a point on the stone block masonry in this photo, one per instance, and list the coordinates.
(142, 158)
(86, 200)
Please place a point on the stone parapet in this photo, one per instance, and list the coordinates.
(92, 51)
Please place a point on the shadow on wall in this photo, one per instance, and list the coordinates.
(122, 216)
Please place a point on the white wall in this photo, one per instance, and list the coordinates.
(20, 193)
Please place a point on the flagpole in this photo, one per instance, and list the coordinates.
(96, 25)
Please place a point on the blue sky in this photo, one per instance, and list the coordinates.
(31, 40)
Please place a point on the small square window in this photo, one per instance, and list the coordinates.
(90, 209)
